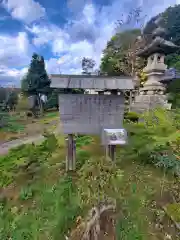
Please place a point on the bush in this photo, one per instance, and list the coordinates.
(155, 140)
(98, 181)
(4, 118)
(131, 116)
(23, 104)
(26, 160)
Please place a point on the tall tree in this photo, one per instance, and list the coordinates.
(119, 57)
(36, 82)
(171, 18)
(87, 65)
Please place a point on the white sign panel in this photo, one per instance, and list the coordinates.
(114, 137)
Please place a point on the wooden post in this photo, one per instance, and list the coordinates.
(71, 153)
(130, 100)
(112, 152)
(111, 149)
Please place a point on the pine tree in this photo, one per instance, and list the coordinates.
(36, 82)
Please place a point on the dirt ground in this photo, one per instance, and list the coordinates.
(21, 126)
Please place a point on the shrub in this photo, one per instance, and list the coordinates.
(131, 116)
(4, 117)
(26, 160)
(98, 181)
(23, 104)
(155, 140)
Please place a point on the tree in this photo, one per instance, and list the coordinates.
(12, 100)
(36, 82)
(3, 94)
(87, 65)
(119, 57)
(52, 100)
(171, 17)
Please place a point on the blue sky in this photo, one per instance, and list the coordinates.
(63, 31)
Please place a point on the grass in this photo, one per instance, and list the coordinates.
(137, 190)
(13, 124)
(19, 126)
(45, 208)
(48, 206)
(173, 210)
(55, 211)
(141, 186)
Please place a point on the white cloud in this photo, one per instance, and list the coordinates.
(14, 50)
(89, 12)
(51, 35)
(85, 35)
(61, 40)
(11, 76)
(24, 10)
(15, 53)
(90, 31)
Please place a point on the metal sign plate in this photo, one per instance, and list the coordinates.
(114, 137)
(90, 114)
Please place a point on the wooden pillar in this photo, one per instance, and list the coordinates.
(71, 153)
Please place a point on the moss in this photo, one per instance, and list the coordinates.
(173, 210)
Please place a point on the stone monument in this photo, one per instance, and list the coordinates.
(152, 94)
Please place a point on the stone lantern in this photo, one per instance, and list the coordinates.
(152, 94)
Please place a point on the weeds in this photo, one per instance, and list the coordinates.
(54, 205)
(26, 159)
(26, 193)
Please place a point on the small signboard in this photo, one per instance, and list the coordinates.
(114, 137)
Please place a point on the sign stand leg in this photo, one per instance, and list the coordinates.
(71, 153)
(111, 152)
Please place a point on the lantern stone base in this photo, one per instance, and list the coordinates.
(147, 102)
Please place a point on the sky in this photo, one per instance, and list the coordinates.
(62, 31)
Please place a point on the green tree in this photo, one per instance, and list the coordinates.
(52, 100)
(119, 57)
(3, 94)
(12, 100)
(171, 18)
(174, 93)
(36, 82)
(87, 65)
